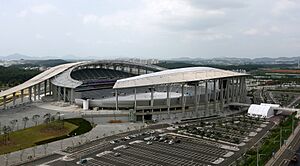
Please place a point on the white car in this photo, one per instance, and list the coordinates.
(171, 142)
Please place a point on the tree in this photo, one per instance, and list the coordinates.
(45, 146)
(21, 154)
(35, 119)
(13, 123)
(6, 131)
(58, 115)
(47, 118)
(52, 118)
(25, 120)
(34, 150)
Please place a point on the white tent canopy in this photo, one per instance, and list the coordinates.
(263, 110)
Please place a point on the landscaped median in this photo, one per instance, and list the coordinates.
(271, 144)
(42, 134)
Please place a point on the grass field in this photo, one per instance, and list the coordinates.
(28, 137)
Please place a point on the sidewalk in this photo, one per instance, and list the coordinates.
(55, 147)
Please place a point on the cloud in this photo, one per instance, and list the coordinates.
(220, 4)
(207, 35)
(283, 5)
(251, 31)
(37, 9)
(39, 36)
(156, 14)
(68, 34)
(43, 8)
(90, 18)
(263, 31)
(22, 13)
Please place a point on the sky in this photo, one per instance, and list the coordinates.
(162, 29)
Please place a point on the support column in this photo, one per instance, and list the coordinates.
(232, 90)
(72, 99)
(54, 91)
(196, 97)
(182, 100)
(138, 71)
(244, 89)
(50, 87)
(168, 99)
(237, 89)
(215, 95)
(4, 102)
(14, 99)
(65, 95)
(152, 98)
(30, 94)
(117, 99)
(222, 94)
(240, 90)
(58, 93)
(39, 91)
(34, 91)
(22, 96)
(227, 90)
(45, 87)
(134, 99)
(206, 98)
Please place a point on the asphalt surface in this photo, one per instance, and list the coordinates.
(189, 152)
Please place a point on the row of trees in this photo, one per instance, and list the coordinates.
(7, 129)
(11, 76)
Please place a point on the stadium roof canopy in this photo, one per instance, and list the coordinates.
(39, 78)
(181, 75)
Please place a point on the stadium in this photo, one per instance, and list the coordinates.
(140, 91)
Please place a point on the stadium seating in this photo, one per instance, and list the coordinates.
(87, 75)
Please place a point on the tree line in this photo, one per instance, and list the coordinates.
(12, 75)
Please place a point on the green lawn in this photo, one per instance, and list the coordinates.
(29, 137)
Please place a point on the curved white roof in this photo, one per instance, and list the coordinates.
(181, 75)
(39, 78)
(65, 80)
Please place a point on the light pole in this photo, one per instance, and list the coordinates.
(280, 137)
(293, 121)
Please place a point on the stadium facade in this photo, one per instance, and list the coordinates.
(142, 90)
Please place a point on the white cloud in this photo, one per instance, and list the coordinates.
(155, 14)
(282, 6)
(37, 9)
(90, 18)
(22, 13)
(263, 31)
(39, 36)
(43, 8)
(207, 35)
(68, 34)
(251, 31)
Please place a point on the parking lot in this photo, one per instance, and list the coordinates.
(159, 146)
(140, 152)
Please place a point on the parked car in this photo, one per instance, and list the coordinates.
(117, 154)
(171, 142)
